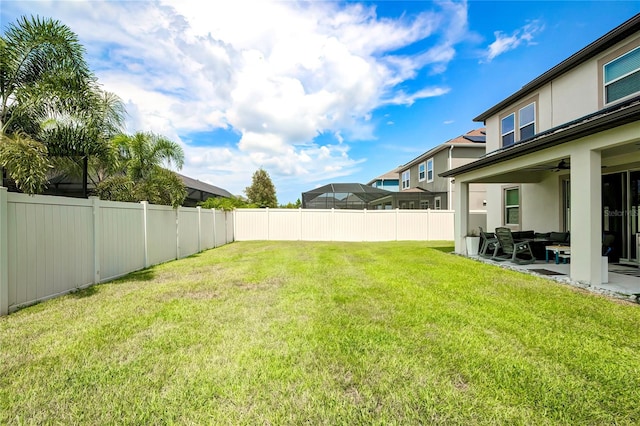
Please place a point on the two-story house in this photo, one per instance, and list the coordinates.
(421, 187)
(389, 181)
(563, 153)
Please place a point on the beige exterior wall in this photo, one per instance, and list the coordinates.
(540, 206)
(575, 94)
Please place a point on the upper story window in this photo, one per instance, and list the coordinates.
(519, 123)
(406, 175)
(422, 171)
(430, 170)
(622, 76)
(527, 121)
(508, 130)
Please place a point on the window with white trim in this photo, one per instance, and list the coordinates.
(430, 170)
(622, 76)
(422, 171)
(512, 206)
(406, 175)
(508, 130)
(527, 121)
(437, 202)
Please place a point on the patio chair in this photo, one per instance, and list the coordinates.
(511, 249)
(488, 243)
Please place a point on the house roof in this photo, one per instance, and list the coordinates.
(204, 187)
(365, 193)
(470, 139)
(348, 187)
(393, 174)
(607, 118)
(613, 37)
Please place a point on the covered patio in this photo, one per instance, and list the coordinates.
(561, 174)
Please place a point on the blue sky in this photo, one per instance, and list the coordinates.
(318, 92)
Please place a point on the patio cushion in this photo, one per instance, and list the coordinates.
(523, 235)
(542, 235)
(558, 237)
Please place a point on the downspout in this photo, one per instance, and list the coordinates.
(449, 201)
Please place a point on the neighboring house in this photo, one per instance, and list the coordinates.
(389, 181)
(196, 191)
(199, 191)
(422, 187)
(563, 154)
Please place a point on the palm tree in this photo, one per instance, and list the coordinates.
(82, 137)
(143, 177)
(44, 79)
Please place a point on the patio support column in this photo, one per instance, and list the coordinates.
(586, 216)
(461, 215)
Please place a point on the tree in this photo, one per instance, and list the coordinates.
(262, 192)
(80, 140)
(227, 204)
(291, 205)
(43, 74)
(141, 173)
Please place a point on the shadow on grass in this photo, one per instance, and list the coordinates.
(137, 276)
(86, 292)
(445, 249)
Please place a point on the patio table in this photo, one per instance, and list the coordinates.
(558, 251)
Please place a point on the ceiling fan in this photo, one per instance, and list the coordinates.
(562, 165)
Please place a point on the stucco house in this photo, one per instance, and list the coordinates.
(389, 181)
(563, 154)
(421, 187)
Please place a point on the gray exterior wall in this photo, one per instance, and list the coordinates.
(443, 187)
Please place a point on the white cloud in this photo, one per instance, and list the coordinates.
(277, 73)
(505, 43)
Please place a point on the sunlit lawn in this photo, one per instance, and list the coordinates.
(323, 333)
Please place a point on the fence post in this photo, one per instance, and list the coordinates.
(268, 226)
(4, 252)
(429, 225)
(177, 233)
(226, 226)
(145, 224)
(397, 220)
(333, 224)
(199, 210)
(215, 239)
(97, 240)
(300, 214)
(364, 225)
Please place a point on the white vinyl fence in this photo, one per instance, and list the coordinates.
(53, 245)
(343, 225)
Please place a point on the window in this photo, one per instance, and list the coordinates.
(508, 130)
(405, 179)
(512, 206)
(519, 123)
(422, 171)
(430, 170)
(436, 203)
(527, 121)
(622, 76)
(411, 205)
(424, 205)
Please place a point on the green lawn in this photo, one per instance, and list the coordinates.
(323, 333)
